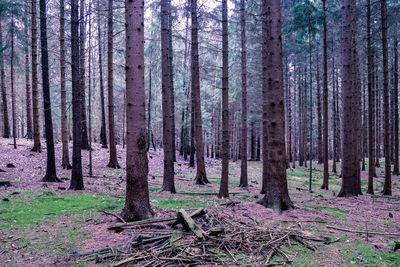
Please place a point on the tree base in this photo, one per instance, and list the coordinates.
(170, 189)
(104, 146)
(202, 180)
(278, 204)
(347, 193)
(243, 185)
(66, 166)
(325, 187)
(50, 178)
(143, 214)
(113, 165)
(36, 149)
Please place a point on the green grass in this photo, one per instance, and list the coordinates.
(301, 256)
(359, 253)
(27, 210)
(176, 204)
(335, 212)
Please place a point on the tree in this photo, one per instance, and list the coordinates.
(76, 175)
(12, 72)
(168, 130)
(113, 163)
(201, 176)
(35, 97)
(243, 153)
(350, 91)
(51, 175)
(387, 189)
(29, 131)
(396, 168)
(371, 106)
(82, 33)
(137, 204)
(276, 190)
(6, 123)
(64, 126)
(103, 131)
(325, 184)
(223, 190)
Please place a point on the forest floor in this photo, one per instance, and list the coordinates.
(44, 224)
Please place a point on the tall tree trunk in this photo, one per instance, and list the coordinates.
(90, 91)
(149, 112)
(12, 56)
(325, 183)
(276, 194)
(387, 189)
(243, 153)
(6, 124)
(371, 106)
(171, 70)
(82, 37)
(168, 130)
(396, 169)
(64, 127)
(35, 92)
(103, 130)
(51, 175)
(201, 176)
(223, 190)
(113, 163)
(319, 114)
(350, 143)
(137, 203)
(29, 131)
(76, 175)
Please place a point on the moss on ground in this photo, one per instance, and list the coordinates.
(335, 212)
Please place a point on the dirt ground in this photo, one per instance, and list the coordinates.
(44, 224)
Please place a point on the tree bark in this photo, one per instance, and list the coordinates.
(137, 203)
(103, 130)
(12, 71)
(51, 174)
(387, 189)
(201, 176)
(64, 126)
(171, 70)
(76, 175)
(223, 190)
(113, 163)
(396, 169)
(82, 33)
(35, 92)
(350, 143)
(29, 130)
(243, 153)
(167, 96)
(276, 194)
(371, 106)
(6, 123)
(325, 184)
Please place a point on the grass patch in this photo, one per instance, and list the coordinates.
(335, 212)
(300, 255)
(29, 210)
(177, 204)
(359, 253)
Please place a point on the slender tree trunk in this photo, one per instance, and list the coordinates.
(378, 112)
(171, 70)
(396, 169)
(82, 37)
(103, 130)
(325, 183)
(64, 127)
(252, 142)
(387, 189)
(137, 204)
(51, 175)
(319, 114)
(29, 131)
(201, 176)
(6, 125)
(76, 175)
(168, 130)
(243, 153)
(35, 92)
(113, 163)
(13, 115)
(149, 113)
(223, 190)
(192, 137)
(90, 91)
(350, 162)
(276, 195)
(371, 106)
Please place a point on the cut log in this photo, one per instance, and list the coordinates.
(189, 224)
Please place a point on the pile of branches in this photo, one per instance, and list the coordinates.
(203, 237)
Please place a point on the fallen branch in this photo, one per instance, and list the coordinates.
(361, 232)
(113, 214)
